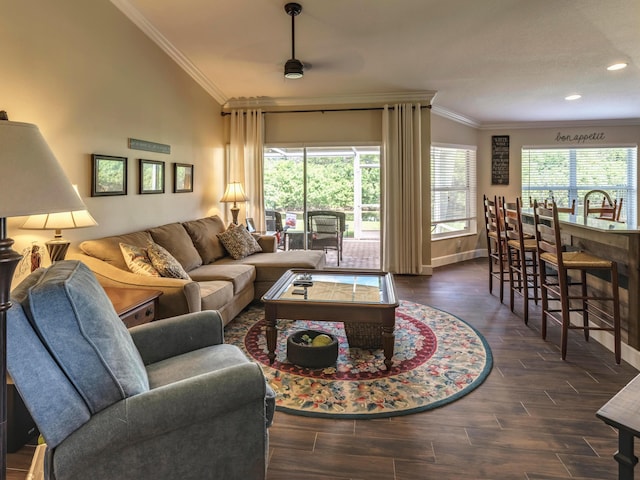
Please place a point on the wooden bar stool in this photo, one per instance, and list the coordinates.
(573, 292)
(522, 257)
(496, 244)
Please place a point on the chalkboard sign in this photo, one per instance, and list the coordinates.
(500, 160)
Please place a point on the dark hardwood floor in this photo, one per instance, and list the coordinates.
(533, 418)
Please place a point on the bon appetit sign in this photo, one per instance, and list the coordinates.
(580, 137)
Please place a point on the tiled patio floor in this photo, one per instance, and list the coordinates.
(358, 254)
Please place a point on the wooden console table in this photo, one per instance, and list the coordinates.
(623, 412)
(134, 306)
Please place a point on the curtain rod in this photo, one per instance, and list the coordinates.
(323, 110)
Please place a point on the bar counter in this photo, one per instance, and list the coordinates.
(613, 241)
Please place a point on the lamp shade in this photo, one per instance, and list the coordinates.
(32, 180)
(234, 193)
(60, 221)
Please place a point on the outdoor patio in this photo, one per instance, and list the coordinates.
(358, 254)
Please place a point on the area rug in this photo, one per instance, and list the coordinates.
(438, 359)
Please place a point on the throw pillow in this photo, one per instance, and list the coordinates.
(165, 263)
(138, 261)
(239, 242)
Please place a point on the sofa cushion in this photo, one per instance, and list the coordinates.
(175, 239)
(239, 242)
(203, 233)
(271, 266)
(240, 275)
(76, 321)
(108, 250)
(216, 294)
(138, 261)
(165, 263)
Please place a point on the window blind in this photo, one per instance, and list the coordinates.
(569, 173)
(453, 190)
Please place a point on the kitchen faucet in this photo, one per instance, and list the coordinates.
(586, 198)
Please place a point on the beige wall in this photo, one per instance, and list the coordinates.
(448, 131)
(90, 80)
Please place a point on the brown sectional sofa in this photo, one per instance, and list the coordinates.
(218, 282)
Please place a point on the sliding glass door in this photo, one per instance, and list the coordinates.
(345, 180)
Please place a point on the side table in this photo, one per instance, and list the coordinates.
(134, 306)
(623, 412)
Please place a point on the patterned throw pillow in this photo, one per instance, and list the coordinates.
(239, 242)
(137, 260)
(165, 263)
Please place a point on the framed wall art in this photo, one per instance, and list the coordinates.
(108, 175)
(151, 176)
(182, 177)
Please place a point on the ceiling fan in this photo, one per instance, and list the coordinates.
(294, 67)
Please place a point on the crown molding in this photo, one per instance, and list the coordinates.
(423, 97)
(619, 122)
(456, 117)
(143, 24)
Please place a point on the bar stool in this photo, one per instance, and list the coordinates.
(522, 257)
(496, 244)
(562, 287)
(571, 210)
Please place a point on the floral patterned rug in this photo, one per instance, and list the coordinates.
(438, 358)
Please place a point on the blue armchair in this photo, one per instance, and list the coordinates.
(164, 400)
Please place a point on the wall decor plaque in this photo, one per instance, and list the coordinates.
(136, 144)
(500, 160)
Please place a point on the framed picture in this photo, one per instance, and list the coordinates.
(108, 175)
(182, 177)
(151, 176)
(250, 225)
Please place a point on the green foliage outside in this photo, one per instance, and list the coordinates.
(330, 185)
(570, 173)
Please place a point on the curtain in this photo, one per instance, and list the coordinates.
(245, 160)
(401, 189)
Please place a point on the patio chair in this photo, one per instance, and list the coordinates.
(326, 230)
(274, 225)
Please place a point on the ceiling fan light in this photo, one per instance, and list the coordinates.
(293, 68)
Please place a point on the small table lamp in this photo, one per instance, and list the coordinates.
(234, 193)
(32, 181)
(58, 247)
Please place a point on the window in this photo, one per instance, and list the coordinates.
(453, 190)
(569, 173)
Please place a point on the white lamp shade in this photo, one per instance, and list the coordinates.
(32, 180)
(234, 193)
(60, 221)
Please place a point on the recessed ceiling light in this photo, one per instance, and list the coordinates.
(617, 66)
(573, 97)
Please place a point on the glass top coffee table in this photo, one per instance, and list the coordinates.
(364, 301)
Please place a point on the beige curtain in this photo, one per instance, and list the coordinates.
(245, 161)
(401, 189)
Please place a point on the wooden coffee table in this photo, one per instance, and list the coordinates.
(357, 298)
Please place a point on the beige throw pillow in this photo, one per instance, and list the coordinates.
(137, 260)
(239, 242)
(165, 263)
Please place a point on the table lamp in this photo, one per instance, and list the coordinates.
(32, 182)
(58, 247)
(234, 193)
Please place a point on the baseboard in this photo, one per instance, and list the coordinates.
(458, 257)
(628, 353)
